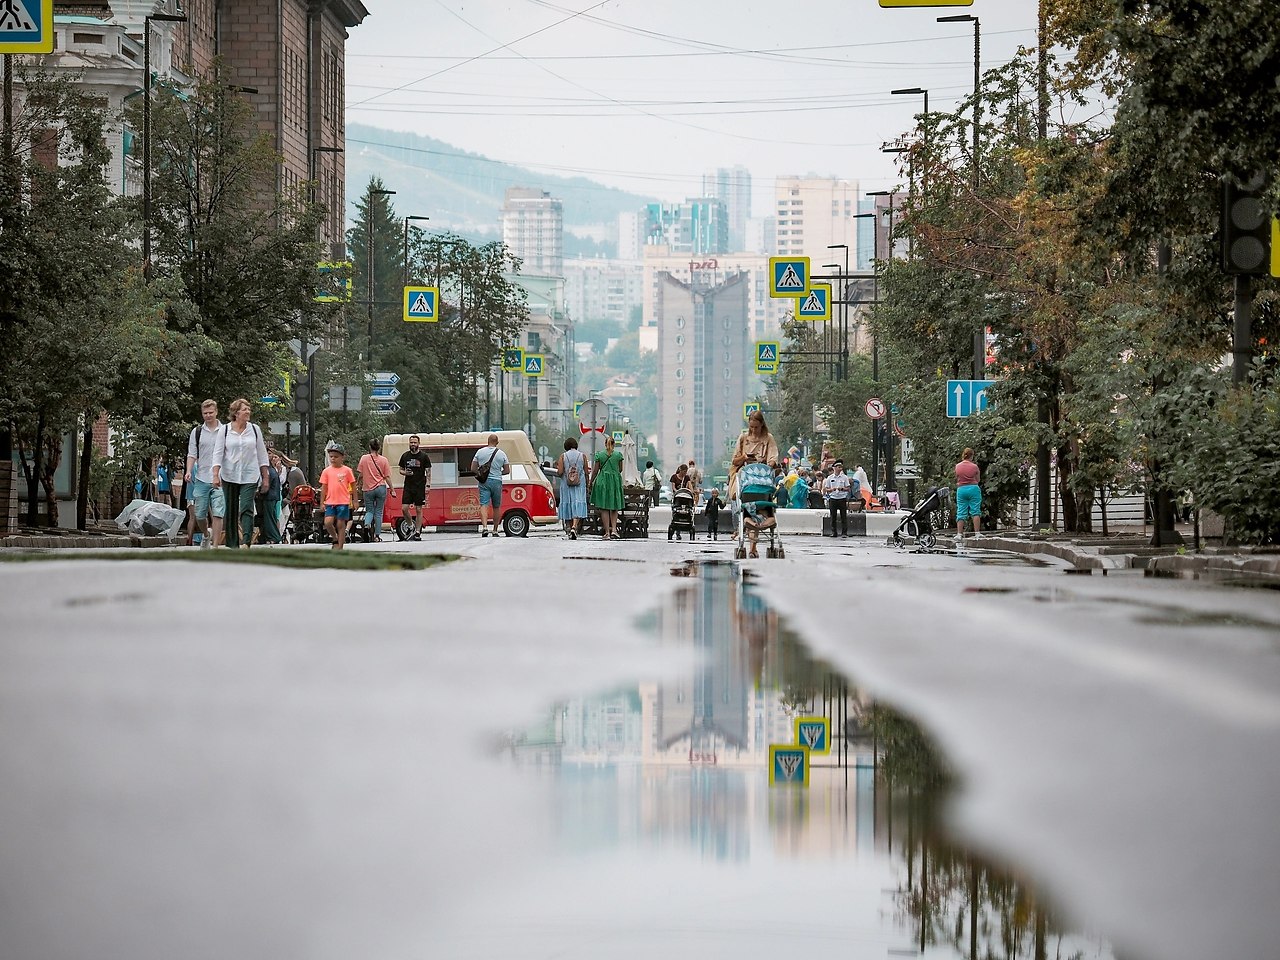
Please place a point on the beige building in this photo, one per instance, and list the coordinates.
(533, 229)
(600, 289)
(811, 213)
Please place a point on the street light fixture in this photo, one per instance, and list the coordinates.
(146, 132)
(406, 245)
(977, 83)
(844, 309)
(924, 122)
(373, 193)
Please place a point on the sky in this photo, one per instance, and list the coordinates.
(648, 95)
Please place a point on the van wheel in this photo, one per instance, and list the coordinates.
(403, 526)
(516, 524)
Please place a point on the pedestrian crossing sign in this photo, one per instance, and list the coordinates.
(788, 765)
(420, 304)
(814, 733)
(748, 409)
(26, 26)
(533, 366)
(512, 359)
(767, 356)
(617, 436)
(789, 276)
(816, 304)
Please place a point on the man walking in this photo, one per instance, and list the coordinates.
(207, 503)
(415, 467)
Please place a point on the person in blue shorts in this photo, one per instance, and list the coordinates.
(497, 464)
(968, 493)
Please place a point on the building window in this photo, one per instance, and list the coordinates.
(679, 373)
(679, 441)
(679, 339)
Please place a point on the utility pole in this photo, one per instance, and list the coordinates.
(1044, 505)
(369, 284)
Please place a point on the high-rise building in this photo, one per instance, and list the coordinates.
(698, 226)
(533, 229)
(704, 354)
(732, 187)
(600, 289)
(812, 213)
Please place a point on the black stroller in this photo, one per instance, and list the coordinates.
(682, 505)
(918, 527)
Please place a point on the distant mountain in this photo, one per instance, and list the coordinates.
(463, 191)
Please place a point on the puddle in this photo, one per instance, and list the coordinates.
(1225, 579)
(664, 785)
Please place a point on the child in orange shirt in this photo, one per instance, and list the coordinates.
(337, 484)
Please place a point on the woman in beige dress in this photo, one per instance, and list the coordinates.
(755, 446)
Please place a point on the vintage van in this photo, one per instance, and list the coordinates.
(527, 495)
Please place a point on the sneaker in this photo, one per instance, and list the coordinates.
(573, 535)
(484, 533)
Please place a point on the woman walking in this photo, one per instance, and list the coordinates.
(606, 488)
(374, 470)
(240, 467)
(968, 493)
(572, 468)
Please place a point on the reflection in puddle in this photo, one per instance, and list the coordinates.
(679, 768)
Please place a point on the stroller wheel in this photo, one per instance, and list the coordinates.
(928, 540)
(740, 553)
(781, 554)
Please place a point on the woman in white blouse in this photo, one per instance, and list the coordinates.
(240, 468)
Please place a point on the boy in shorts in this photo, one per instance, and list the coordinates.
(337, 483)
(415, 467)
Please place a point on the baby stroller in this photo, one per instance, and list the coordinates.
(305, 520)
(682, 504)
(757, 512)
(917, 527)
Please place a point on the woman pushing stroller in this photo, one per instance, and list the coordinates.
(755, 446)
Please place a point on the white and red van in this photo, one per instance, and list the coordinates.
(527, 496)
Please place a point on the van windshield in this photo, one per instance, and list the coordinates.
(444, 467)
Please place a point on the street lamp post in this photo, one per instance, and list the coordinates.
(406, 245)
(373, 193)
(146, 131)
(875, 343)
(980, 336)
(924, 122)
(844, 310)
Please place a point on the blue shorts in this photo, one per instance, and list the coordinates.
(340, 510)
(491, 493)
(968, 502)
(206, 498)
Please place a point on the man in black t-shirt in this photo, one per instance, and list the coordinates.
(415, 467)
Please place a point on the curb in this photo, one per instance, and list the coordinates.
(48, 542)
(1100, 558)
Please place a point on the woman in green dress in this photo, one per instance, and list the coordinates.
(606, 488)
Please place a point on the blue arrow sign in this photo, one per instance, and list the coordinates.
(967, 397)
(383, 393)
(385, 378)
(386, 406)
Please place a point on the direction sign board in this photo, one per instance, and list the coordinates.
(534, 365)
(384, 393)
(386, 406)
(512, 359)
(26, 26)
(767, 354)
(967, 397)
(788, 276)
(383, 378)
(748, 409)
(788, 765)
(420, 304)
(816, 304)
(875, 408)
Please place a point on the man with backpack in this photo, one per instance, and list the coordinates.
(207, 502)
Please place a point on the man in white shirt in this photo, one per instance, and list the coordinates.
(837, 489)
(651, 480)
(206, 501)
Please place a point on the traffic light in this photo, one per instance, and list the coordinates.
(1246, 228)
(302, 395)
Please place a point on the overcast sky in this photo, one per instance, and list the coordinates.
(647, 95)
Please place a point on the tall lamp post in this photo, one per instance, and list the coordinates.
(844, 310)
(875, 343)
(373, 194)
(980, 337)
(406, 246)
(146, 132)
(924, 122)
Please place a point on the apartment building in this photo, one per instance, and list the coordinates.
(813, 212)
(732, 187)
(600, 289)
(532, 224)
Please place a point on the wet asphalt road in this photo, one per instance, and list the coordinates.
(213, 761)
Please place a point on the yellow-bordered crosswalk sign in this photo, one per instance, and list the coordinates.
(26, 26)
(512, 359)
(420, 304)
(534, 365)
(788, 276)
(788, 765)
(748, 409)
(816, 304)
(814, 733)
(767, 356)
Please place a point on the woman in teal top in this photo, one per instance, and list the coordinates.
(606, 488)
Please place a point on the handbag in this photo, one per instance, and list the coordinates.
(482, 471)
